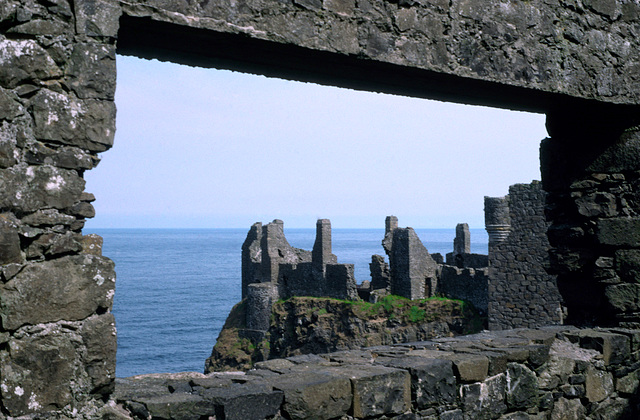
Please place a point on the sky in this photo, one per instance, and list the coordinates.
(207, 148)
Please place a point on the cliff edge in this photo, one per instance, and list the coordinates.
(309, 325)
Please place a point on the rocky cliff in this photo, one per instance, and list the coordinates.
(304, 325)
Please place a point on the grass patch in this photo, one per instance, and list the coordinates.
(416, 314)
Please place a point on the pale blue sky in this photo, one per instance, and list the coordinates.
(209, 148)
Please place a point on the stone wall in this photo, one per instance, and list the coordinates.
(548, 373)
(521, 292)
(592, 174)
(57, 82)
(467, 284)
(412, 271)
(464, 275)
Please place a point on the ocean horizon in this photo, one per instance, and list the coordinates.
(175, 287)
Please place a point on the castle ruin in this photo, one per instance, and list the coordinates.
(510, 285)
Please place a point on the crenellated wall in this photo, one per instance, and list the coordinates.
(576, 60)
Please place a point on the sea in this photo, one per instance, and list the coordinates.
(175, 287)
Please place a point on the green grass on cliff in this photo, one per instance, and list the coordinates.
(403, 309)
(412, 311)
(294, 320)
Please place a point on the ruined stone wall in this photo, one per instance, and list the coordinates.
(521, 292)
(57, 82)
(551, 373)
(467, 284)
(592, 174)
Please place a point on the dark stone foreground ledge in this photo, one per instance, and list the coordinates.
(534, 374)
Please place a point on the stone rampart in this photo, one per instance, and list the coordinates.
(548, 373)
(521, 292)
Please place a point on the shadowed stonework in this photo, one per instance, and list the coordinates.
(575, 60)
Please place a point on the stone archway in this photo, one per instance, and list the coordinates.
(578, 62)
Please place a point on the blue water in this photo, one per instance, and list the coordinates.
(175, 287)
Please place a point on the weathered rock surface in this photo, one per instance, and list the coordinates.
(572, 48)
(70, 288)
(546, 373)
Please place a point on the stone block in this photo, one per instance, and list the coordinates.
(615, 348)
(275, 365)
(614, 408)
(572, 391)
(485, 400)
(141, 386)
(97, 18)
(497, 361)
(621, 156)
(627, 265)
(244, 401)
(314, 395)
(432, 380)
(48, 217)
(598, 384)
(82, 210)
(522, 387)
(452, 415)
(92, 244)
(10, 106)
(179, 405)
(92, 71)
(89, 123)
(70, 288)
(624, 297)
(378, 390)
(24, 60)
(556, 371)
(52, 26)
(629, 384)
(597, 205)
(39, 373)
(619, 231)
(9, 244)
(54, 244)
(568, 409)
(31, 188)
(470, 367)
(99, 336)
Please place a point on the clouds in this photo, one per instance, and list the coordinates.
(208, 148)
